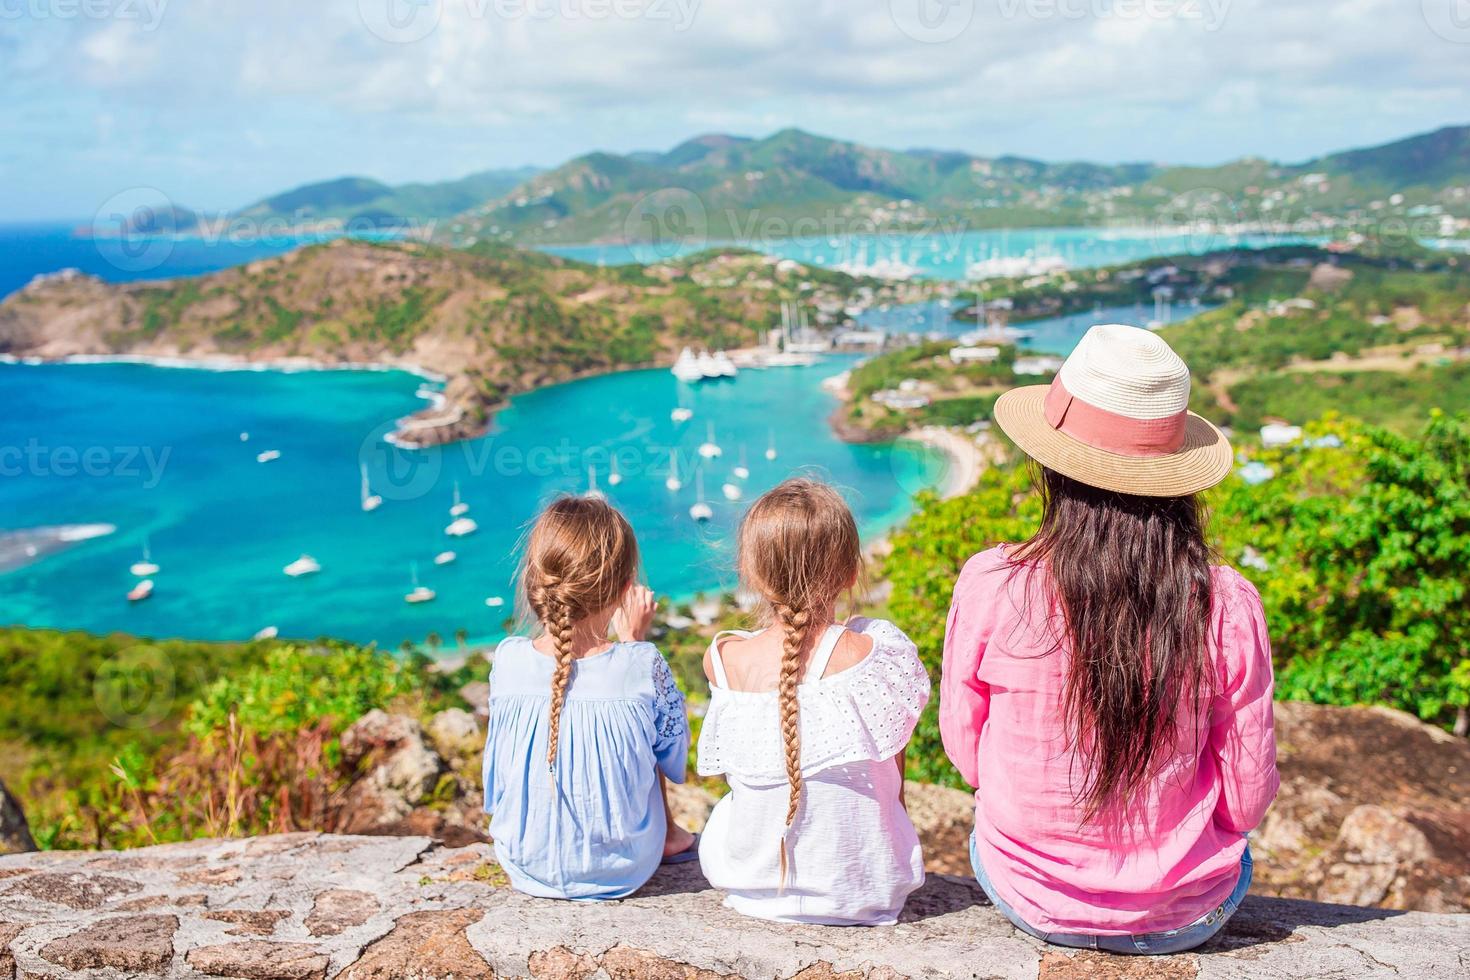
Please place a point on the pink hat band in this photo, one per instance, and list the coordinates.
(1110, 431)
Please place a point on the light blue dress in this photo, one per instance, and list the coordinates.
(593, 828)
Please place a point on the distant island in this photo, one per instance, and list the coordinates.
(793, 183)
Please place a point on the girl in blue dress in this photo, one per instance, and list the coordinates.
(583, 731)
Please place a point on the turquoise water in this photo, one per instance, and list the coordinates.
(1050, 335)
(947, 255)
(157, 452)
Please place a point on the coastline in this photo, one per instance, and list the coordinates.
(966, 459)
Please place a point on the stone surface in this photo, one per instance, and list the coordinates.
(456, 735)
(258, 960)
(440, 911)
(134, 944)
(15, 833)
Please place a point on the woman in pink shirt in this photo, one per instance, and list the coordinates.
(1105, 689)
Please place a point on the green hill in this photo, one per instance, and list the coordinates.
(359, 201)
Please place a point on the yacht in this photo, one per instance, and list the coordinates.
(370, 500)
(686, 367)
(268, 455)
(742, 472)
(419, 593)
(724, 367)
(244, 437)
(268, 633)
(494, 601)
(146, 567)
(681, 414)
(459, 508)
(707, 366)
(771, 446)
(673, 482)
(305, 565)
(592, 490)
(613, 476)
(461, 526)
(700, 511)
(731, 491)
(444, 557)
(141, 591)
(709, 449)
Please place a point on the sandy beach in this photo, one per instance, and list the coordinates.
(966, 459)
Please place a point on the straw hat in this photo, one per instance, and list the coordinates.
(1116, 417)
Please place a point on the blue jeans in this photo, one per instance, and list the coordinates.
(1152, 943)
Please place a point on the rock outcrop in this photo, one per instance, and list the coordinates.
(312, 907)
(15, 833)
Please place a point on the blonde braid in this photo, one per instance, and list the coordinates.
(794, 622)
(559, 623)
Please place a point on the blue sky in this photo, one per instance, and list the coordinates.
(220, 102)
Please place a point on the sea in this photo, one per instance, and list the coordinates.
(132, 457)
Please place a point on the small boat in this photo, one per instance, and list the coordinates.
(494, 601)
(673, 482)
(419, 593)
(613, 476)
(771, 446)
(269, 633)
(444, 557)
(742, 472)
(592, 490)
(146, 567)
(305, 565)
(370, 500)
(141, 591)
(731, 491)
(724, 367)
(707, 366)
(700, 510)
(459, 508)
(268, 455)
(681, 414)
(461, 526)
(686, 367)
(244, 437)
(709, 449)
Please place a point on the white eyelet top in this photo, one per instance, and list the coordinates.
(853, 854)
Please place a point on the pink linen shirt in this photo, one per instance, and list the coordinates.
(1175, 853)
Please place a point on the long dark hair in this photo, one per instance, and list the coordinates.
(1131, 576)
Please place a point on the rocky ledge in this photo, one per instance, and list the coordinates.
(307, 906)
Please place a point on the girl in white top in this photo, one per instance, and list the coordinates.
(808, 721)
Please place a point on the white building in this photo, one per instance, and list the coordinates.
(1037, 365)
(974, 355)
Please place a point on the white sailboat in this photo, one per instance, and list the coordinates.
(266, 633)
(686, 367)
(771, 446)
(370, 500)
(418, 593)
(700, 511)
(681, 414)
(613, 476)
(742, 472)
(146, 567)
(444, 557)
(494, 601)
(461, 526)
(724, 367)
(673, 482)
(709, 449)
(305, 565)
(592, 490)
(707, 366)
(459, 508)
(268, 456)
(244, 437)
(141, 591)
(731, 491)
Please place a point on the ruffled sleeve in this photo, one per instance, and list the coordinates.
(865, 713)
(670, 722)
